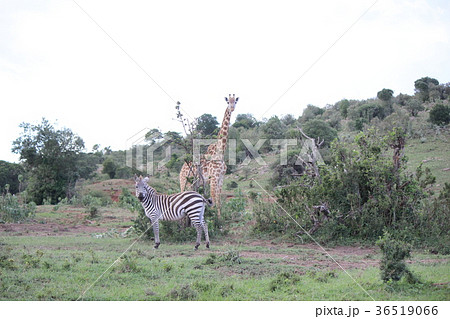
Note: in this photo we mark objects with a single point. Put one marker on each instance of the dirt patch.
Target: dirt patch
(48, 229)
(112, 187)
(309, 256)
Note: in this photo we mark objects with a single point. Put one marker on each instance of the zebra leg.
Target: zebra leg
(156, 233)
(205, 229)
(198, 227)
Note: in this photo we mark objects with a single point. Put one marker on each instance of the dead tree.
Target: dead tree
(195, 169)
(318, 215)
(313, 155)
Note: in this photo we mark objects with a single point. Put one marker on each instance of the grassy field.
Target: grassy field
(65, 255)
(434, 153)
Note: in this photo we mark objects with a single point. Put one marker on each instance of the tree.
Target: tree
(153, 136)
(343, 108)
(109, 167)
(207, 124)
(52, 158)
(414, 107)
(320, 129)
(9, 174)
(311, 112)
(385, 95)
(274, 128)
(246, 121)
(402, 99)
(440, 114)
(370, 110)
(423, 85)
(288, 120)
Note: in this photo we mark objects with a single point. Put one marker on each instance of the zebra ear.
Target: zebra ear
(146, 179)
(136, 178)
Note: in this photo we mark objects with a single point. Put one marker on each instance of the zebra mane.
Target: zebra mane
(150, 189)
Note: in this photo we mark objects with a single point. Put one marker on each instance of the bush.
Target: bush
(392, 265)
(365, 189)
(127, 199)
(231, 185)
(128, 264)
(440, 114)
(95, 198)
(11, 211)
(285, 174)
(270, 218)
(284, 280)
(6, 260)
(234, 207)
(320, 129)
(93, 211)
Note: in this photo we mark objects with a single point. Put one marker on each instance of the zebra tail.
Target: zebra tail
(208, 201)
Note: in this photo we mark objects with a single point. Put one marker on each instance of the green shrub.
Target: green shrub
(440, 114)
(392, 265)
(211, 259)
(32, 261)
(270, 218)
(93, 211)
(95, 198)
(6, 260)
(11, 211)
(365, 188)
(128, 200)
(231, 256)
(253, 195)
(283, 280)
(231, 185)
(320, 129)
(128, 263)
(234, 208)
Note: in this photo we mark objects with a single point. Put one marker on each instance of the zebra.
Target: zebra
(173, 207)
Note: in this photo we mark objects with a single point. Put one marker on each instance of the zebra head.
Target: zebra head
(231, 100)
(141, 189)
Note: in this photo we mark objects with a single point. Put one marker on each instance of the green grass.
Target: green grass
(433, 152)
(62, 268)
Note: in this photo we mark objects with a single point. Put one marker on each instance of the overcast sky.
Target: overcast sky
(109, 69)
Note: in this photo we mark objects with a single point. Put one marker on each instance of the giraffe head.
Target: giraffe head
(231, 100)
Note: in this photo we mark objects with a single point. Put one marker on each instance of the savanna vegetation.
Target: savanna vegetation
(367, 179)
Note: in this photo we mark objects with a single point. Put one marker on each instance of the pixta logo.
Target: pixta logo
(140, 150)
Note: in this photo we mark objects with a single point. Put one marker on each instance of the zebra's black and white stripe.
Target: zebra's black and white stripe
(172, 207)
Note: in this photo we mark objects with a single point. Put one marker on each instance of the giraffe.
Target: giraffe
(212, 162)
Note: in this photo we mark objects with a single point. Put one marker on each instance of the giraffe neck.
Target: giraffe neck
(217, 149)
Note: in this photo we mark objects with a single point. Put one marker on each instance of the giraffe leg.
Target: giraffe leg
(215, 196)
(218, 188)
(183, 175)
